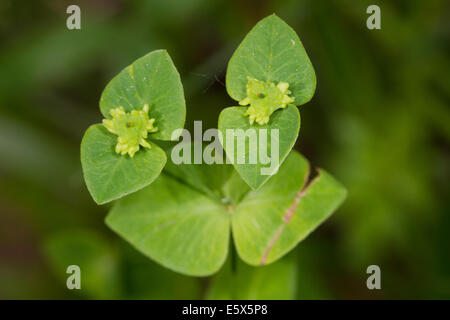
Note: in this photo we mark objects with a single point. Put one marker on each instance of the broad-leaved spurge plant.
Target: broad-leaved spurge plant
(183, 216)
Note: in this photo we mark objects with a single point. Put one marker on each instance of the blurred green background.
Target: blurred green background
(379, 122)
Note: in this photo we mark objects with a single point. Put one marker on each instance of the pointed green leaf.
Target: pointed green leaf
(271, 51)
(286, 121)
(271, 221)
(153, 80)
(175, 225)
(109, 175)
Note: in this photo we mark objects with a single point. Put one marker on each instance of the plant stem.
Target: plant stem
(233, 263)
(233, 259)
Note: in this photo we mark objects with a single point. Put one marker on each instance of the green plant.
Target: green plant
(147, 82)
(182, 217)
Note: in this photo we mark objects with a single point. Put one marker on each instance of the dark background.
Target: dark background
(379, 122)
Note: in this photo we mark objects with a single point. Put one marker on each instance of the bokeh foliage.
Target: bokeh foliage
(379, 121)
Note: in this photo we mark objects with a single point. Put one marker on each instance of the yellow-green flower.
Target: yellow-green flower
(132, 129)
(264, 97)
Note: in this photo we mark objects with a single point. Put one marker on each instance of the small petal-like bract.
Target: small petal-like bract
(131, 128)
(264, 97)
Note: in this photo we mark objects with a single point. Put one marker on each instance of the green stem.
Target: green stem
(233, 262)
(233, 259)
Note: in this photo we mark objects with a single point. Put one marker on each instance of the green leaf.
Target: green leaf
(153, 80)
(275, 282)
(206, 178)
(271, 51)
(97, 260)
(218, 181)
(175, 225)
(235, 188)
(109, 175)
(186, 228)
(286, 121)
(270, 222)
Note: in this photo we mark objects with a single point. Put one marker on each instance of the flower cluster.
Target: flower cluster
(264, 97)
(132, 129)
